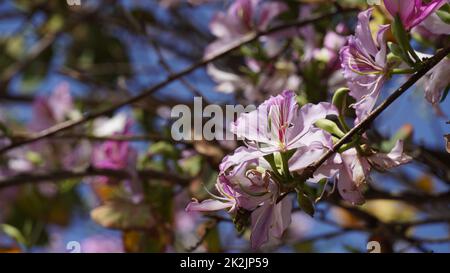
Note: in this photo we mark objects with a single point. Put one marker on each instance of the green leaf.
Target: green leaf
(164, 148)
(192, 165)
(305, 203)
(320, 191)
(397, 51)
(14, 233)
(4, 129)
(444, 15)
(123, 215)
(405, 132)
(402, 37)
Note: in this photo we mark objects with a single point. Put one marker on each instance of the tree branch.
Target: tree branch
(246, 39)
(58, 175)
(364, 124)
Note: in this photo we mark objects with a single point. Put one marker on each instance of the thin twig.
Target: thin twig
(118, 138)
(58, 175)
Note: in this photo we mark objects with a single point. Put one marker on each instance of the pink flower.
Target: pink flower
(270, 220)
(227, 199)
(354, 170)
(364, 65)
(278, 125)
(50, 111)
(434, 25)
(241, 186)
(278, 76)
(437, 81)
(242, 17)
(102, 244)
(47, 112)
(412, 12)
(118, 155)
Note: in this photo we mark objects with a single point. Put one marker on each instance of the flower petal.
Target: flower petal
(208, 205)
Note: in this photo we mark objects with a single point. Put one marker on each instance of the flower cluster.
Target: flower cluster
(283, 140)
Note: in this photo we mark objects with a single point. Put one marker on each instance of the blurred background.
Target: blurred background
(60, 60)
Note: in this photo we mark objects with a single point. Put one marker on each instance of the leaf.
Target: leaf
(210, 150)
(213, 240)
(444, 15)
(14, 233)
(305, 203)
(399, 52)
(320, 191)
(192, 165)
(404, 133)
(123, 215)
(4, 129)
(163, 148)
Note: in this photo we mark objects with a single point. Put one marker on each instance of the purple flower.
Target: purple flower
(332, 43)
(118, 155)
(234, 183)
(433, 25)
(55, 109)
(102, 244)
(227, 199)
(277, 76)
(47, 112)
(242, 17)
(270, 220)
(241, 186)
(354, 170)
(278, 125)
(364, 65)
(437, 81)
(412, 12)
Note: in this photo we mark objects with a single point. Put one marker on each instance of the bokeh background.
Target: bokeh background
(103, 52)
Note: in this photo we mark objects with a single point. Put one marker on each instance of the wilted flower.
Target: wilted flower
(412, 12)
